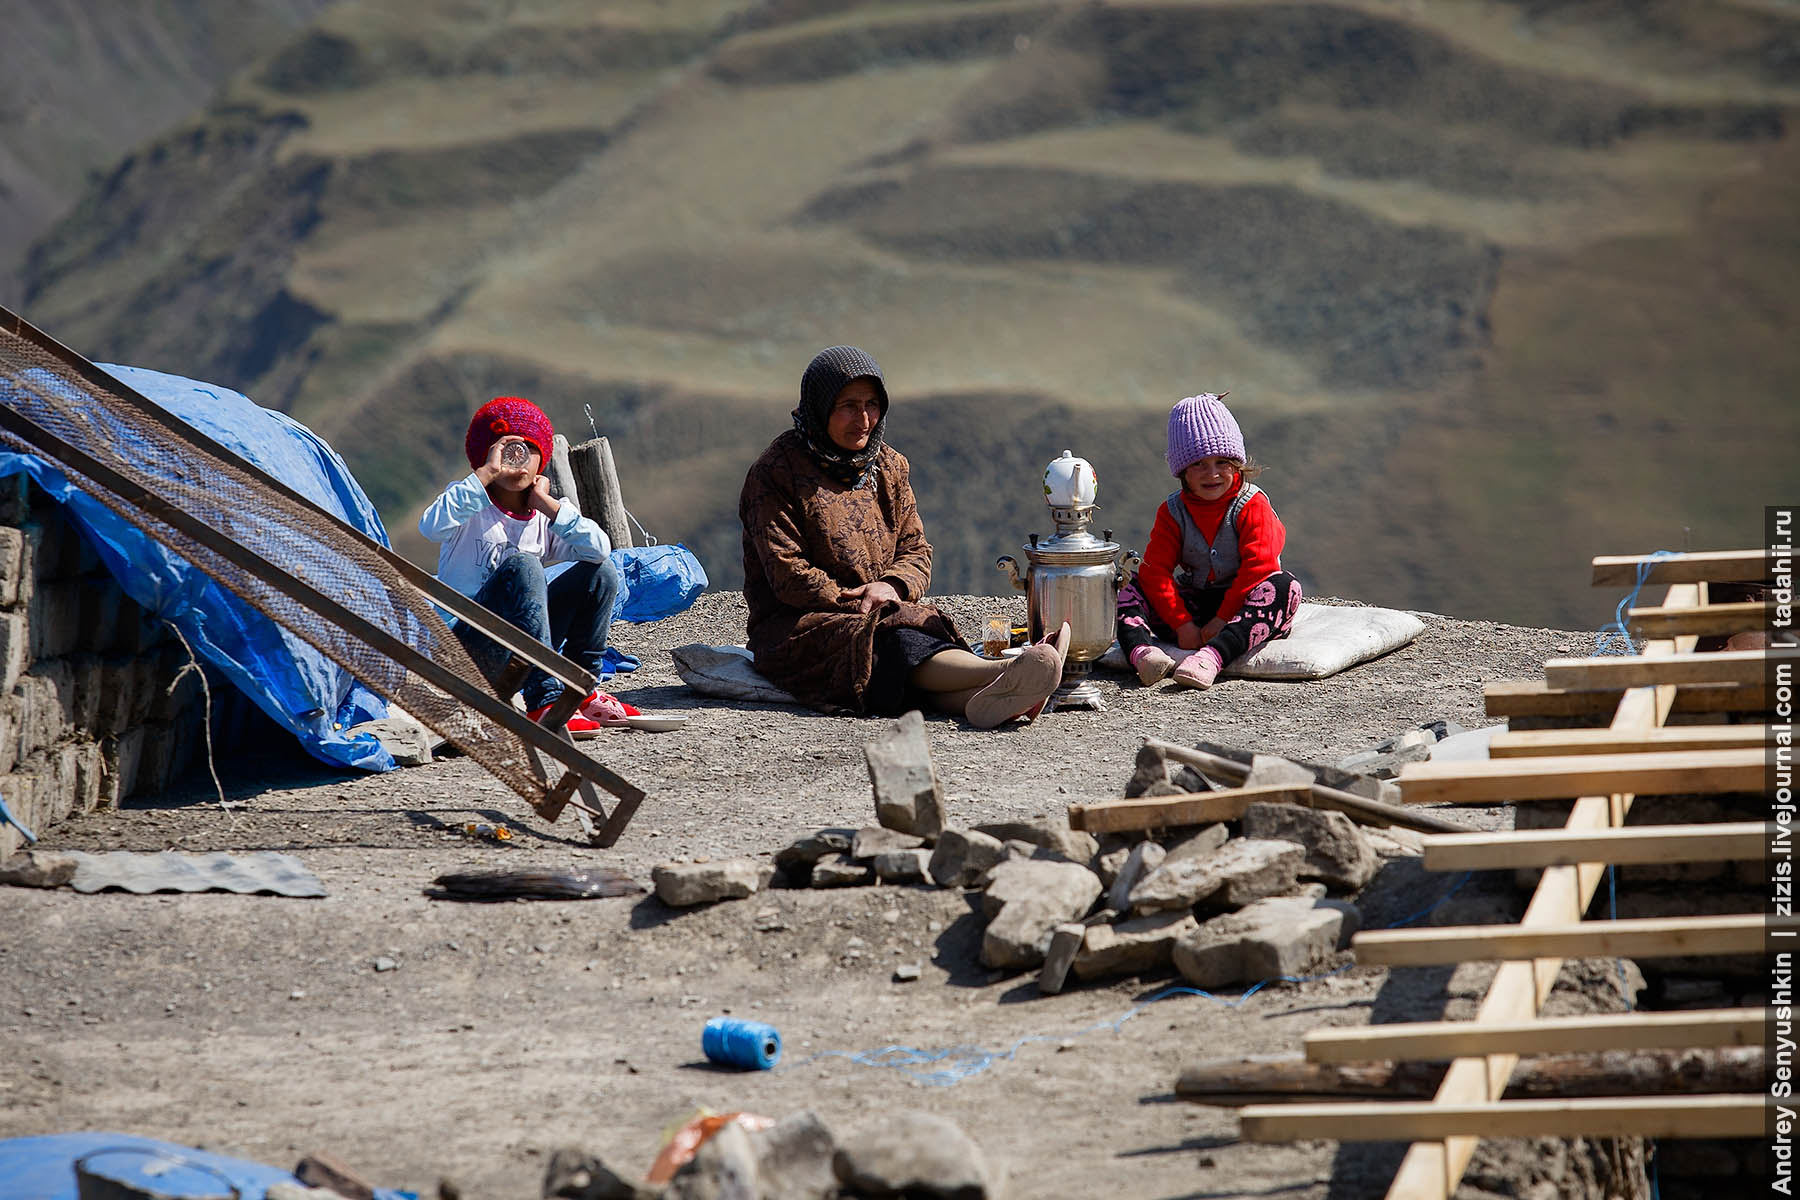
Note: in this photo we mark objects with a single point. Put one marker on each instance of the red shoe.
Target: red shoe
(578, 725)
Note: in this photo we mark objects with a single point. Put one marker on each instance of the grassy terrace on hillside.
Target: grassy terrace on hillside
(1494, 289)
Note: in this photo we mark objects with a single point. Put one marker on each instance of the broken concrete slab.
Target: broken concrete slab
(1281, 936)
(1143, 858)
(1136, 947)
(1026, 899)
(1337, 854)
(683, 885)
(902, 866)
(795, 861)
(840, 870)
(1051, 833)
(1250, 869)
(39, 869)
(916, 1155)
(1175, 886)
(908, 797)
(1065, 940)
(873, 839)
(962, 856)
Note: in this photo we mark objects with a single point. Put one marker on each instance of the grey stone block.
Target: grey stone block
(1139, 946)
(1250, 869)
(1202, 843)
(121, 757)
(1065, 940)
(1025, 901)
(793, 1159)
(840, 870)
(1337, 854)
(907, 795)
(683, 885)
(1144, 858)
(723, 1168)
(38, 869)
(913, 1154)
(903, 866)
(874, 840)
(1050, 833)
(56, 617)
(962, 856)
(15, 650)
(1266, 940)
(12, 547)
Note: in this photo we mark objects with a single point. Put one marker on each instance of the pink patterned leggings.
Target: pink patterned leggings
(1268, 613)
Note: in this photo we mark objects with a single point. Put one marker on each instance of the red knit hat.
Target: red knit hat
(505, 415)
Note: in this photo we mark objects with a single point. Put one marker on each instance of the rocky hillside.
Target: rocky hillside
(1495, 286)
(79, 86)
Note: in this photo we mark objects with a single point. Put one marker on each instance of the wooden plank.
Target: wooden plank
(1738, 841)
(1358, 808)
(1431, 1170)
(1526, 743)
(1709, 566)
(1661, 773)
(1546, 1035)
(1533, 698)
(1620, 1116)
(1743, 667)
(1189, 808)
(1718, 620)
(1656, 937)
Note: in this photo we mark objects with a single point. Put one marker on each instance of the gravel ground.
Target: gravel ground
(260, 1026)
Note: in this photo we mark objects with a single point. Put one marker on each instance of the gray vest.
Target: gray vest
(1220, 556)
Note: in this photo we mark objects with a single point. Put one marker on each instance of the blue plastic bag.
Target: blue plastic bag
(659, 581)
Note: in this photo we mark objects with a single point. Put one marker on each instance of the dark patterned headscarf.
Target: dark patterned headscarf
(825, 377)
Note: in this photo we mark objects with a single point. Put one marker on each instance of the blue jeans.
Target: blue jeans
(574, 611)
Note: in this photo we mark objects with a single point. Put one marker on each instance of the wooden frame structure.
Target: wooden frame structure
(1604, 770)
(143, 506)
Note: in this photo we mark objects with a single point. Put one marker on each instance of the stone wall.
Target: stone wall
(87, 714)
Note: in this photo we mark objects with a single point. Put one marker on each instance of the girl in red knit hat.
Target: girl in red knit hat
(1211, 581)
(498, 527)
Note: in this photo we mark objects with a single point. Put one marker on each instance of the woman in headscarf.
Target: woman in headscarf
(836, 561)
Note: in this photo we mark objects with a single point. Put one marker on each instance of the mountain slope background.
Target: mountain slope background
(1495, 285)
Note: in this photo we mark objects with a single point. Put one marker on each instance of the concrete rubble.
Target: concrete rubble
(1224, 903)
(902, 1153)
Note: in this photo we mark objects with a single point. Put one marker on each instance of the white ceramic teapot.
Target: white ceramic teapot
(1069, 482)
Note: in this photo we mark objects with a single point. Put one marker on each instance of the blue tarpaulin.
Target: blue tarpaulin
(297, 686)
(43, 1168)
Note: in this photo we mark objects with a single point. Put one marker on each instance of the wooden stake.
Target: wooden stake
(1637, 937)
(1546, 1035)
(1629, 1116)
(1662, 773)
(1741, 841)
(1742, 667)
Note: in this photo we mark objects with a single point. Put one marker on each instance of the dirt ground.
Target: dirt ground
(260, 1026)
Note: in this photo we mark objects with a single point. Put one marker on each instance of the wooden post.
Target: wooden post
(597, 489)
(562, 479)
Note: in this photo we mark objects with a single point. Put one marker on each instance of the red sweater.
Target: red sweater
(1260, 541)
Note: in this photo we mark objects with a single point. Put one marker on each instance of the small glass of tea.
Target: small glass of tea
(996, 635)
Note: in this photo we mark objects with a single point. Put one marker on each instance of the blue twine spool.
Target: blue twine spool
(748, 1044)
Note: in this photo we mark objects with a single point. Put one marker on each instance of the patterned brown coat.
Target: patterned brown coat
(806, 540)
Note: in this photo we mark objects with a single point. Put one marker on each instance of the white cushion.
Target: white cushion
(1325, 639)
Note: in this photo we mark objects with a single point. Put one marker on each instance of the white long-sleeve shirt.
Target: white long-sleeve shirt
(475, 535)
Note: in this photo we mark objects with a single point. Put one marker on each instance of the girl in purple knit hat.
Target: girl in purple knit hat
(1211, 581)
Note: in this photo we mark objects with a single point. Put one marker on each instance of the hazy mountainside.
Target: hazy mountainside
(1495, 285)
(80, 85)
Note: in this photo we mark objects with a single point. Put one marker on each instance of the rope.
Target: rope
(193, 664)
(1614, 632)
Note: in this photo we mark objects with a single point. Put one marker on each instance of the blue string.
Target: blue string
(963, 1061)
(7, 818)
(1614, 632)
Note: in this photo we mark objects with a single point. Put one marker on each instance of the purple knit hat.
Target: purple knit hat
(1202, 427)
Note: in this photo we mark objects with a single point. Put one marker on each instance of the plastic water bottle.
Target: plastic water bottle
(734, 1043)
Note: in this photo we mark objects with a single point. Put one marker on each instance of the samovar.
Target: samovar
(1073, 576)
